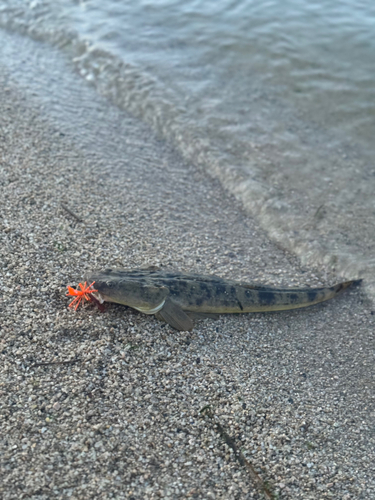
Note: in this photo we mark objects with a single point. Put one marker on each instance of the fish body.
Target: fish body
(178, 297)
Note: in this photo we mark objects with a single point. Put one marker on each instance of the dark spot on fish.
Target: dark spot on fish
(293, 298)
(311, 295)
(199, 301)
(267, 298)
(204, 288)
(220, 290)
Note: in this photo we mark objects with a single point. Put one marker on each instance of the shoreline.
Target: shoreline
(112, 404)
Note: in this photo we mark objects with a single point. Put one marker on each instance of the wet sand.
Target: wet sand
(119, 405)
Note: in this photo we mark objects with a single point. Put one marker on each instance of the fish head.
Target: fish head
(125, 288)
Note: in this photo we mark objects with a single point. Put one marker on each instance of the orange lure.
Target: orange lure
(81, 295)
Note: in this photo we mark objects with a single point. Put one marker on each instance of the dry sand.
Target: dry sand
(119, 405)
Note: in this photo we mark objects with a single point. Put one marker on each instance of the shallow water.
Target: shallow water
(276, 99)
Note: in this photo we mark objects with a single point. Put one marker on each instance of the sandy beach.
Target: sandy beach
(118, 404)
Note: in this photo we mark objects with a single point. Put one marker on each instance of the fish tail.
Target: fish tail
(272, 299)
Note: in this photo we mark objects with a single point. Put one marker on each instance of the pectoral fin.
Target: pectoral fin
(172, 314)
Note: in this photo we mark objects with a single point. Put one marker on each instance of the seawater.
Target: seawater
(275, 99)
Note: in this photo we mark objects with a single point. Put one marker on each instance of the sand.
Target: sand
(118, 404)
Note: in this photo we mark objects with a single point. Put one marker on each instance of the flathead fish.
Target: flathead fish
(179, 298)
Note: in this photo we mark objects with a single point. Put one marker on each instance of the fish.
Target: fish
(180, 298)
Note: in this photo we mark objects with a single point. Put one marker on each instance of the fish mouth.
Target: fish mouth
(98, 297)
